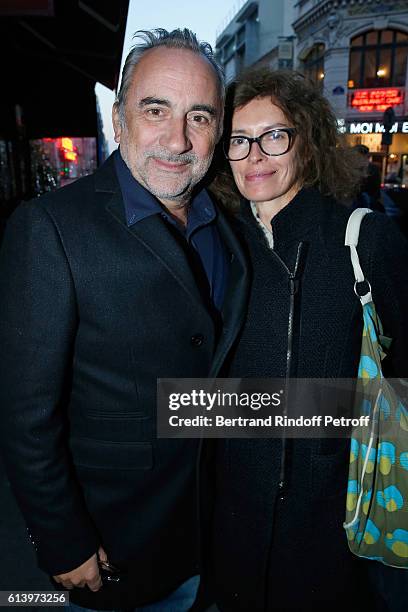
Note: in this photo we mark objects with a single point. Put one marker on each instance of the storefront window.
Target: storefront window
(370, 77)
(387, 36)
(355, 67)
(384, 66)
(400, 66)
(357, 41)
(313, 65)
(378, 59)
(56, 162)
(372, 38)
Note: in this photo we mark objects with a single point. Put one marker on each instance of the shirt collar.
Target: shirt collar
(268, 234)
(140, 203)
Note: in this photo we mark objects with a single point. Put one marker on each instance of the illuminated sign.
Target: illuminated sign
(368, 100)
(70, 155)
(67, 144)
(68, 149)
(374, 127)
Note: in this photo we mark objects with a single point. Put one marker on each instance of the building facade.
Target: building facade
(259, 33)
(356, 49)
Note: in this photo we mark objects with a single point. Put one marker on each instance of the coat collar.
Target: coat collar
(140, 203)
(151, 233)
(292, 224)
(236, 295)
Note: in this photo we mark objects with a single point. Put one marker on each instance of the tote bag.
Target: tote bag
(376, 520)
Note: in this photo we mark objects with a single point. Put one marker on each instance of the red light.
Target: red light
(366, 100)
(70, 155)
(67, 144)
(68, 150)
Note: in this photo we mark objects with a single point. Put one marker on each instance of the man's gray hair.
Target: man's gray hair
(177, 39)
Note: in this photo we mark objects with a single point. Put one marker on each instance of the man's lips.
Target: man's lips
(254, 177)
(170, 166)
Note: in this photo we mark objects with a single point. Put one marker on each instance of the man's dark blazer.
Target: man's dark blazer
(92, 312)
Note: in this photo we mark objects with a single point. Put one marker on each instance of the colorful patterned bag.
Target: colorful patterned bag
(377, 496)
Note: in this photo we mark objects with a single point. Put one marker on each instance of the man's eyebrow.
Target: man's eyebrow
(205, 108)
(153, 100)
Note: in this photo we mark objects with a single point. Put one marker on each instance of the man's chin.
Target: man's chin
(178, 192)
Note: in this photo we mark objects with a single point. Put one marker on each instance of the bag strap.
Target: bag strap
(351, 240)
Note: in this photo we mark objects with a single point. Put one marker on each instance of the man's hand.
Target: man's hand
(86, 574)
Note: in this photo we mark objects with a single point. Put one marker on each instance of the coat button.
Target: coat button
(197, 339)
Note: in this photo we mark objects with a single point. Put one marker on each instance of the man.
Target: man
(369, 195)
(106, 285)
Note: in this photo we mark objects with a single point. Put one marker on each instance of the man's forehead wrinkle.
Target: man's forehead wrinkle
(180, 80)
(176, 79)
(150, 100)
(172, 92)
(174, 65)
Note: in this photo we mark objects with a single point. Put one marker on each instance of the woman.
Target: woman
(277, 540)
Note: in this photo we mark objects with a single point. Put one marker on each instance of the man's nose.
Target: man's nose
(175, 138)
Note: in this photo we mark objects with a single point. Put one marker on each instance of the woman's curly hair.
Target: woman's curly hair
(323, 159)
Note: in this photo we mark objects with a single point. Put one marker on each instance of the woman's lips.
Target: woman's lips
(254, 177)
(170, 166)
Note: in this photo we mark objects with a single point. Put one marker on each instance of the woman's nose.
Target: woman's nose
(256, 152)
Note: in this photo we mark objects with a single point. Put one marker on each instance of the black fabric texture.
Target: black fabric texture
(289, 552)
(92, 313)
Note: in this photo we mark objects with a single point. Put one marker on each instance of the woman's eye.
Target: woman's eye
(237, 142)
(275, 135)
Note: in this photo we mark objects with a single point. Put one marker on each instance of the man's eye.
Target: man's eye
(155, 112)
(200, 119)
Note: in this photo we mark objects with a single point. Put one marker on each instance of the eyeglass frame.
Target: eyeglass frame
(291, 132)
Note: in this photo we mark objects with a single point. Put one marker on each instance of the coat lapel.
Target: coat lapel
(155, 237)
(151, 232)
(236, 294)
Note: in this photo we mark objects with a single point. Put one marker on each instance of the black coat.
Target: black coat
(273, 549)
(92, 312)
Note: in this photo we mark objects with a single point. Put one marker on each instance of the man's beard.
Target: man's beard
(185, 185)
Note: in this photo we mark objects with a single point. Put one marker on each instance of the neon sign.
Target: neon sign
(375, 128)
(68, 149)
(368, 100)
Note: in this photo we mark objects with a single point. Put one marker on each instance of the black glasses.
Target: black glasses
(274, 142)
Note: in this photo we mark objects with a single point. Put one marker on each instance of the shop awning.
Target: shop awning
(52, 54)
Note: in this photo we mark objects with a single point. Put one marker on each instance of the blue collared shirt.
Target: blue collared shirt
(201, 231)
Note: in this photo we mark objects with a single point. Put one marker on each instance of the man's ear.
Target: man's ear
(117, 124)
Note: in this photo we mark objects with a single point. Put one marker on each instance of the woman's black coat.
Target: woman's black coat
(273, 549)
